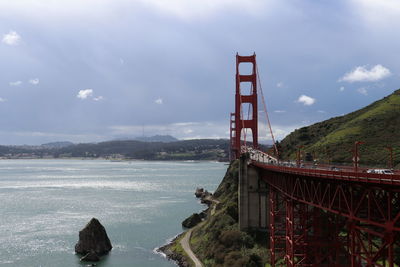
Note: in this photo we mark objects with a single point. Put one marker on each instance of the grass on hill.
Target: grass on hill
(378, 125)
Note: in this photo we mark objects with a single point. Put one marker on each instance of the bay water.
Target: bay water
(44, 204)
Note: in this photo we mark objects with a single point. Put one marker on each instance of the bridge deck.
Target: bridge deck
(346, 175)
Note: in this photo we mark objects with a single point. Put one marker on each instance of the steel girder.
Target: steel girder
(363, 221)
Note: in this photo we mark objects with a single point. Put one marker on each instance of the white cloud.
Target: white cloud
(11, 38)
(280, 85)
(99, 98)
(362, 91)
(279, 111)
(378, 13)
(279, 131)
(51, 136)
(83, 94)
(189, 9)
(2, 99)
(185, 123)
(34, 81)
(362, 74)
(158, 101)
(16, 83)
(306, 100)
(341, 89)
(187, 131)
(321, 111)
(180, 130)
(183, 9)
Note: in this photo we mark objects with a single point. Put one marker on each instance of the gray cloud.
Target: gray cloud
(188, 58)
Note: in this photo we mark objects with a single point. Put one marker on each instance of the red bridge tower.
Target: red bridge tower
(239, 123)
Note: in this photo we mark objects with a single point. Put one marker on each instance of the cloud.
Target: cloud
(279, 131)
(341, 89)
(99, 98)
(362, 91)
(188, 131)
(362, 74)
(306, 100)
(321, 111)
(83, 94)
(16, 83)
(34, 81)
(279, 111)
(11, 38)
(191, 9)
(180, 130)
(378, 13)
(158, 101)
(2, 99)
(279, 84)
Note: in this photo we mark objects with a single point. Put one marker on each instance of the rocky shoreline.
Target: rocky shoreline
(167, 250)
(178, 258)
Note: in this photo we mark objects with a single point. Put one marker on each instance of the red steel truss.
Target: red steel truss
(329, 222)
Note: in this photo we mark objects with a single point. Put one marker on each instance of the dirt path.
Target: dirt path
(185, 242)
(186, 247)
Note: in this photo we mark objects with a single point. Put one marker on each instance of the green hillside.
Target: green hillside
(378, 125)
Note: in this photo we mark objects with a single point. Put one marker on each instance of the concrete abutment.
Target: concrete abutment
(253, 197)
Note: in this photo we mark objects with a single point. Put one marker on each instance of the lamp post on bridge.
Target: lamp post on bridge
(391, 156)
(356, 158)
(298, 155)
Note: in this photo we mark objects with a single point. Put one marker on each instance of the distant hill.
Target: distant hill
(157, 138)
(378, 125)
(57, 144)
(198, 149)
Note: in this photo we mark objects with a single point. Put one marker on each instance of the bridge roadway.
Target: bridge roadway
(346, 173)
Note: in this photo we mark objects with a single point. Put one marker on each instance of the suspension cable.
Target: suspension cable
(266, 113)
(241, 116)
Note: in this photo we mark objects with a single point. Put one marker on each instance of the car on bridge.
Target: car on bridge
(380, 171)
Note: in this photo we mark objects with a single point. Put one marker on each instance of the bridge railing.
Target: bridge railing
(326, 172)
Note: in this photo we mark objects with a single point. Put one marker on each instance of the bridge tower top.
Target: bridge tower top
(238, 121)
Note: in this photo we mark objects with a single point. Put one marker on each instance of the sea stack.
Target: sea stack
(93, 241)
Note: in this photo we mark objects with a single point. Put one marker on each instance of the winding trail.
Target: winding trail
(186, 247)
(185, 241)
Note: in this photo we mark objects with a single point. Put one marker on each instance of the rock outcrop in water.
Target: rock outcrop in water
(93, 241)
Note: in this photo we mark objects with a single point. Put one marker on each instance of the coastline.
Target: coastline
(167, 251)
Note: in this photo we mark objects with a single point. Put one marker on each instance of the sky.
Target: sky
(96, 70)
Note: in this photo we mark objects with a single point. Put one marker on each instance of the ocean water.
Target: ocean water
(44, 204)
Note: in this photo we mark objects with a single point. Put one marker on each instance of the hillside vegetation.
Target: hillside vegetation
(378, 125)
(219, 242)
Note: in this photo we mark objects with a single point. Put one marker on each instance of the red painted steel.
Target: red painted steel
(363, 217)
(241, 122)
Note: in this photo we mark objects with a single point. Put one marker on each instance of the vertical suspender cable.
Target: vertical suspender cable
(266, 113)
(241, 114)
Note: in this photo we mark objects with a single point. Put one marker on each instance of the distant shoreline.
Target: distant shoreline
(113, 160)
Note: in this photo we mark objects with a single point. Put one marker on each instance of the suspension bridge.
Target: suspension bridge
(314, 216)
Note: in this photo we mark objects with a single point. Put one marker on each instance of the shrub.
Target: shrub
(235, 258)
(232, 210)
(231, 238)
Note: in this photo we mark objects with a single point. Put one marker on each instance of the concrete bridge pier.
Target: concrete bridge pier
(253, 199)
